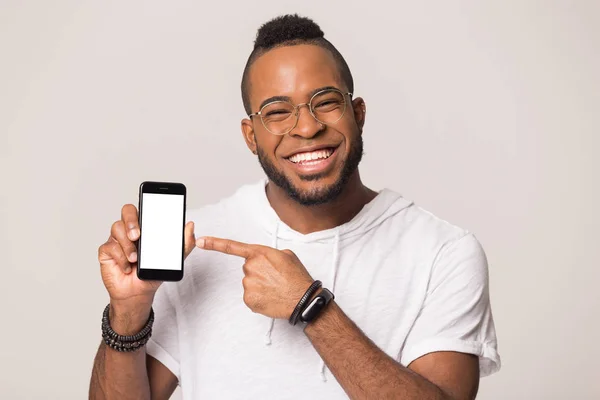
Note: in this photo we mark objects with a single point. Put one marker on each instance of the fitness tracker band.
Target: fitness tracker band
(316, 306)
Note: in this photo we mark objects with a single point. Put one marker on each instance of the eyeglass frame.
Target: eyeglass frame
(297, 110)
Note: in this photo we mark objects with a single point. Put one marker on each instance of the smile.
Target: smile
(312, 157)
(318, 161)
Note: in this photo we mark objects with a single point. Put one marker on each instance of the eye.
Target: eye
(276, 112)
(326, 102)
(327, 105)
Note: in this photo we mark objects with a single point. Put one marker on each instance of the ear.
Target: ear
(248, 133)
(360, 112)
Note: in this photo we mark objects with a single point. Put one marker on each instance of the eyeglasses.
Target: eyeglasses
(280, 117)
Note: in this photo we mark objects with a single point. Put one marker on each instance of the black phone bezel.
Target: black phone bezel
(167, 188)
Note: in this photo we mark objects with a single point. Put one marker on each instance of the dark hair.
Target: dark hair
(290, 30)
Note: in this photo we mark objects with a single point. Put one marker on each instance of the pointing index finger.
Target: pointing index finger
(227, 246)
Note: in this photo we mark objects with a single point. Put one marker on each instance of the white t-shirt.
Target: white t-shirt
(413, 283)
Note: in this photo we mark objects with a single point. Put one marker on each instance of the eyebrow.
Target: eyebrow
(289, 99)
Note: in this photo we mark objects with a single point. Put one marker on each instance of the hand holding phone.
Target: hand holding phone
(119, 256)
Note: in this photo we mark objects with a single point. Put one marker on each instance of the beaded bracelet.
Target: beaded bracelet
(125, 343)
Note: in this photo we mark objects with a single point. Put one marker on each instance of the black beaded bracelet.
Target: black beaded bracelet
(125, 343)
(125, 346)
(316, 285)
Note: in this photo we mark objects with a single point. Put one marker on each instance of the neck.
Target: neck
(308, 219)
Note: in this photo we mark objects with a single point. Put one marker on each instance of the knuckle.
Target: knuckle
(116, 228)
(101, 250)
(247, 299)
(115, 251)
(228, 247)
(251, 301)
(290, 253)
(109, 249)
(257, 306)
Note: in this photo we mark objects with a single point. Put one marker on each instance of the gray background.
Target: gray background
(485, 113)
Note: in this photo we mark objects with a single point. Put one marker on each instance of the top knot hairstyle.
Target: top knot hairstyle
(290, 30)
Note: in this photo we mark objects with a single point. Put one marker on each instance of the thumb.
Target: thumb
(190, 238)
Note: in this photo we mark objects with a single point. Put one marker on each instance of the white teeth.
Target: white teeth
(315, 155)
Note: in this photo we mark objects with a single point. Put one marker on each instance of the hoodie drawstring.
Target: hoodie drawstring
(334, 270)
(272, 321)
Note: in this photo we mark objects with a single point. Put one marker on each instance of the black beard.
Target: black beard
(314, 197)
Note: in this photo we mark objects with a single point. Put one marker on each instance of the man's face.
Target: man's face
(297, 72)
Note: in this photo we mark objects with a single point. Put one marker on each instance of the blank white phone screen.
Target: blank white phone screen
(162, 231)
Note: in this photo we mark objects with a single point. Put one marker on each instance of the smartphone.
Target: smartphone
(161, 244)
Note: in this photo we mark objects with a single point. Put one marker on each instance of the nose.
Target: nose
(306, 125)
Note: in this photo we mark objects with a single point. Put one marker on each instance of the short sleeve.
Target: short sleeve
(456, 314)
(164, 343)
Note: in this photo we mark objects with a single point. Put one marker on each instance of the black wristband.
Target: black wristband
(316, 306)
(316, 285)
(125, 343)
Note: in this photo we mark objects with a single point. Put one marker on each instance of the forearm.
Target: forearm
(361, 368)
(121, 375)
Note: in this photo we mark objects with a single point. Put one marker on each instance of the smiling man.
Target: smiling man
(307, 283)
